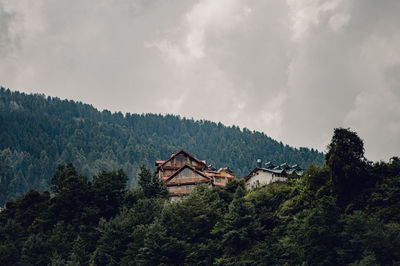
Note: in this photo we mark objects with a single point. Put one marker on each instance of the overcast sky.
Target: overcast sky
(292, 69)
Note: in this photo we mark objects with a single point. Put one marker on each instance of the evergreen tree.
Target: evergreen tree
(346, 161)
(151, 185)
(110, 247)
(159, 249)
(12, 236)
(35, 251)
(6, 175)
(39, 133)
(108, 190)
(294, 222)
(56, 260)
(240, 226)
(79, 254)
(314, 234)
(72, 195)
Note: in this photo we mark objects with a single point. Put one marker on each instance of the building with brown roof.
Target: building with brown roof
(182, 172)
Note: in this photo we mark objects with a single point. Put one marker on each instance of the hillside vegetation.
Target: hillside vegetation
(38, 133)
(343, 213)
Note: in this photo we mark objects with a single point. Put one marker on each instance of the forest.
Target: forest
(344, 212)
(38, 133)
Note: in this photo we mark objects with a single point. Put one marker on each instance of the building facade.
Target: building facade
(182, 172)
(270, 173)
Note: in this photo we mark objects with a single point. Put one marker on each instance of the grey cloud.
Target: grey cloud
(244, 70)
(5, 38)
(337, 79)
(92, 51)
(257, 64)
(392, 77)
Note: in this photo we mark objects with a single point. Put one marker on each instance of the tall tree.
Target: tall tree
(240, 226)
(151, 185)
(72, 195)
(347, 164)
(6, 174)
(109, 188)
(159, 248)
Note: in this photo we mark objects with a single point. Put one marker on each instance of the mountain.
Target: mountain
(37, 133)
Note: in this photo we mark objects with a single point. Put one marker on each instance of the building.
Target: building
(221, 177)
(270, 173)
(182, 172)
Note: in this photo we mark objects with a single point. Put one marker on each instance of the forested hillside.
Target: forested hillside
(343, 213)
(37, 133)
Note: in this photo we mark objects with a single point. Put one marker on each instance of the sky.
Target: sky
(292, 69)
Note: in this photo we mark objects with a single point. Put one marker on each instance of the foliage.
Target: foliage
(151, 185)
(109, 189)
(310, 220)
(38, 133)
(239, 228)
(294, 222)
(348, 166)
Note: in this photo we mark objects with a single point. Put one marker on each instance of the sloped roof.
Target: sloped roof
(227, 169)
(191, 168)
(288, 168)
(273, 171)
(277, 171)
(159, 162)
(269, 165)
(182, 152)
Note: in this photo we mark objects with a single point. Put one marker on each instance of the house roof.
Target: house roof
(298, 172)
(274, 171)
(280, 169)
(159, 162)
(288, 168)
(269, 165)
(181, 152)
(227, 169)
(191, 168)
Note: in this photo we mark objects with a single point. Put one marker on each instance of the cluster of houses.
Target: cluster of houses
(181, 172)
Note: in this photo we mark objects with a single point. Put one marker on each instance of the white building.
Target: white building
(262, 176)
(271, 173)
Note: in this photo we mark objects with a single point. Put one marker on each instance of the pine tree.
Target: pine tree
(35, 251)
(79, 255)
(159, 249)
(108, 190)
(240, 225)
(347, 163)
(151, 185)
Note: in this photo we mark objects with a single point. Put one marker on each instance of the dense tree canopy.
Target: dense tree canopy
(38, 133)
(344, 212)
(300, 221)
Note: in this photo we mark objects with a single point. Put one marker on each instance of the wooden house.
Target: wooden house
(182, 172)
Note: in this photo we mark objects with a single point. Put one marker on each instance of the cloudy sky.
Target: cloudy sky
(292, 69)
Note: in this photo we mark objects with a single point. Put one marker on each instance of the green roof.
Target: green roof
(289, 169)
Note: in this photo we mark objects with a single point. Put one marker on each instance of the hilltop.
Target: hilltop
(38, 132)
